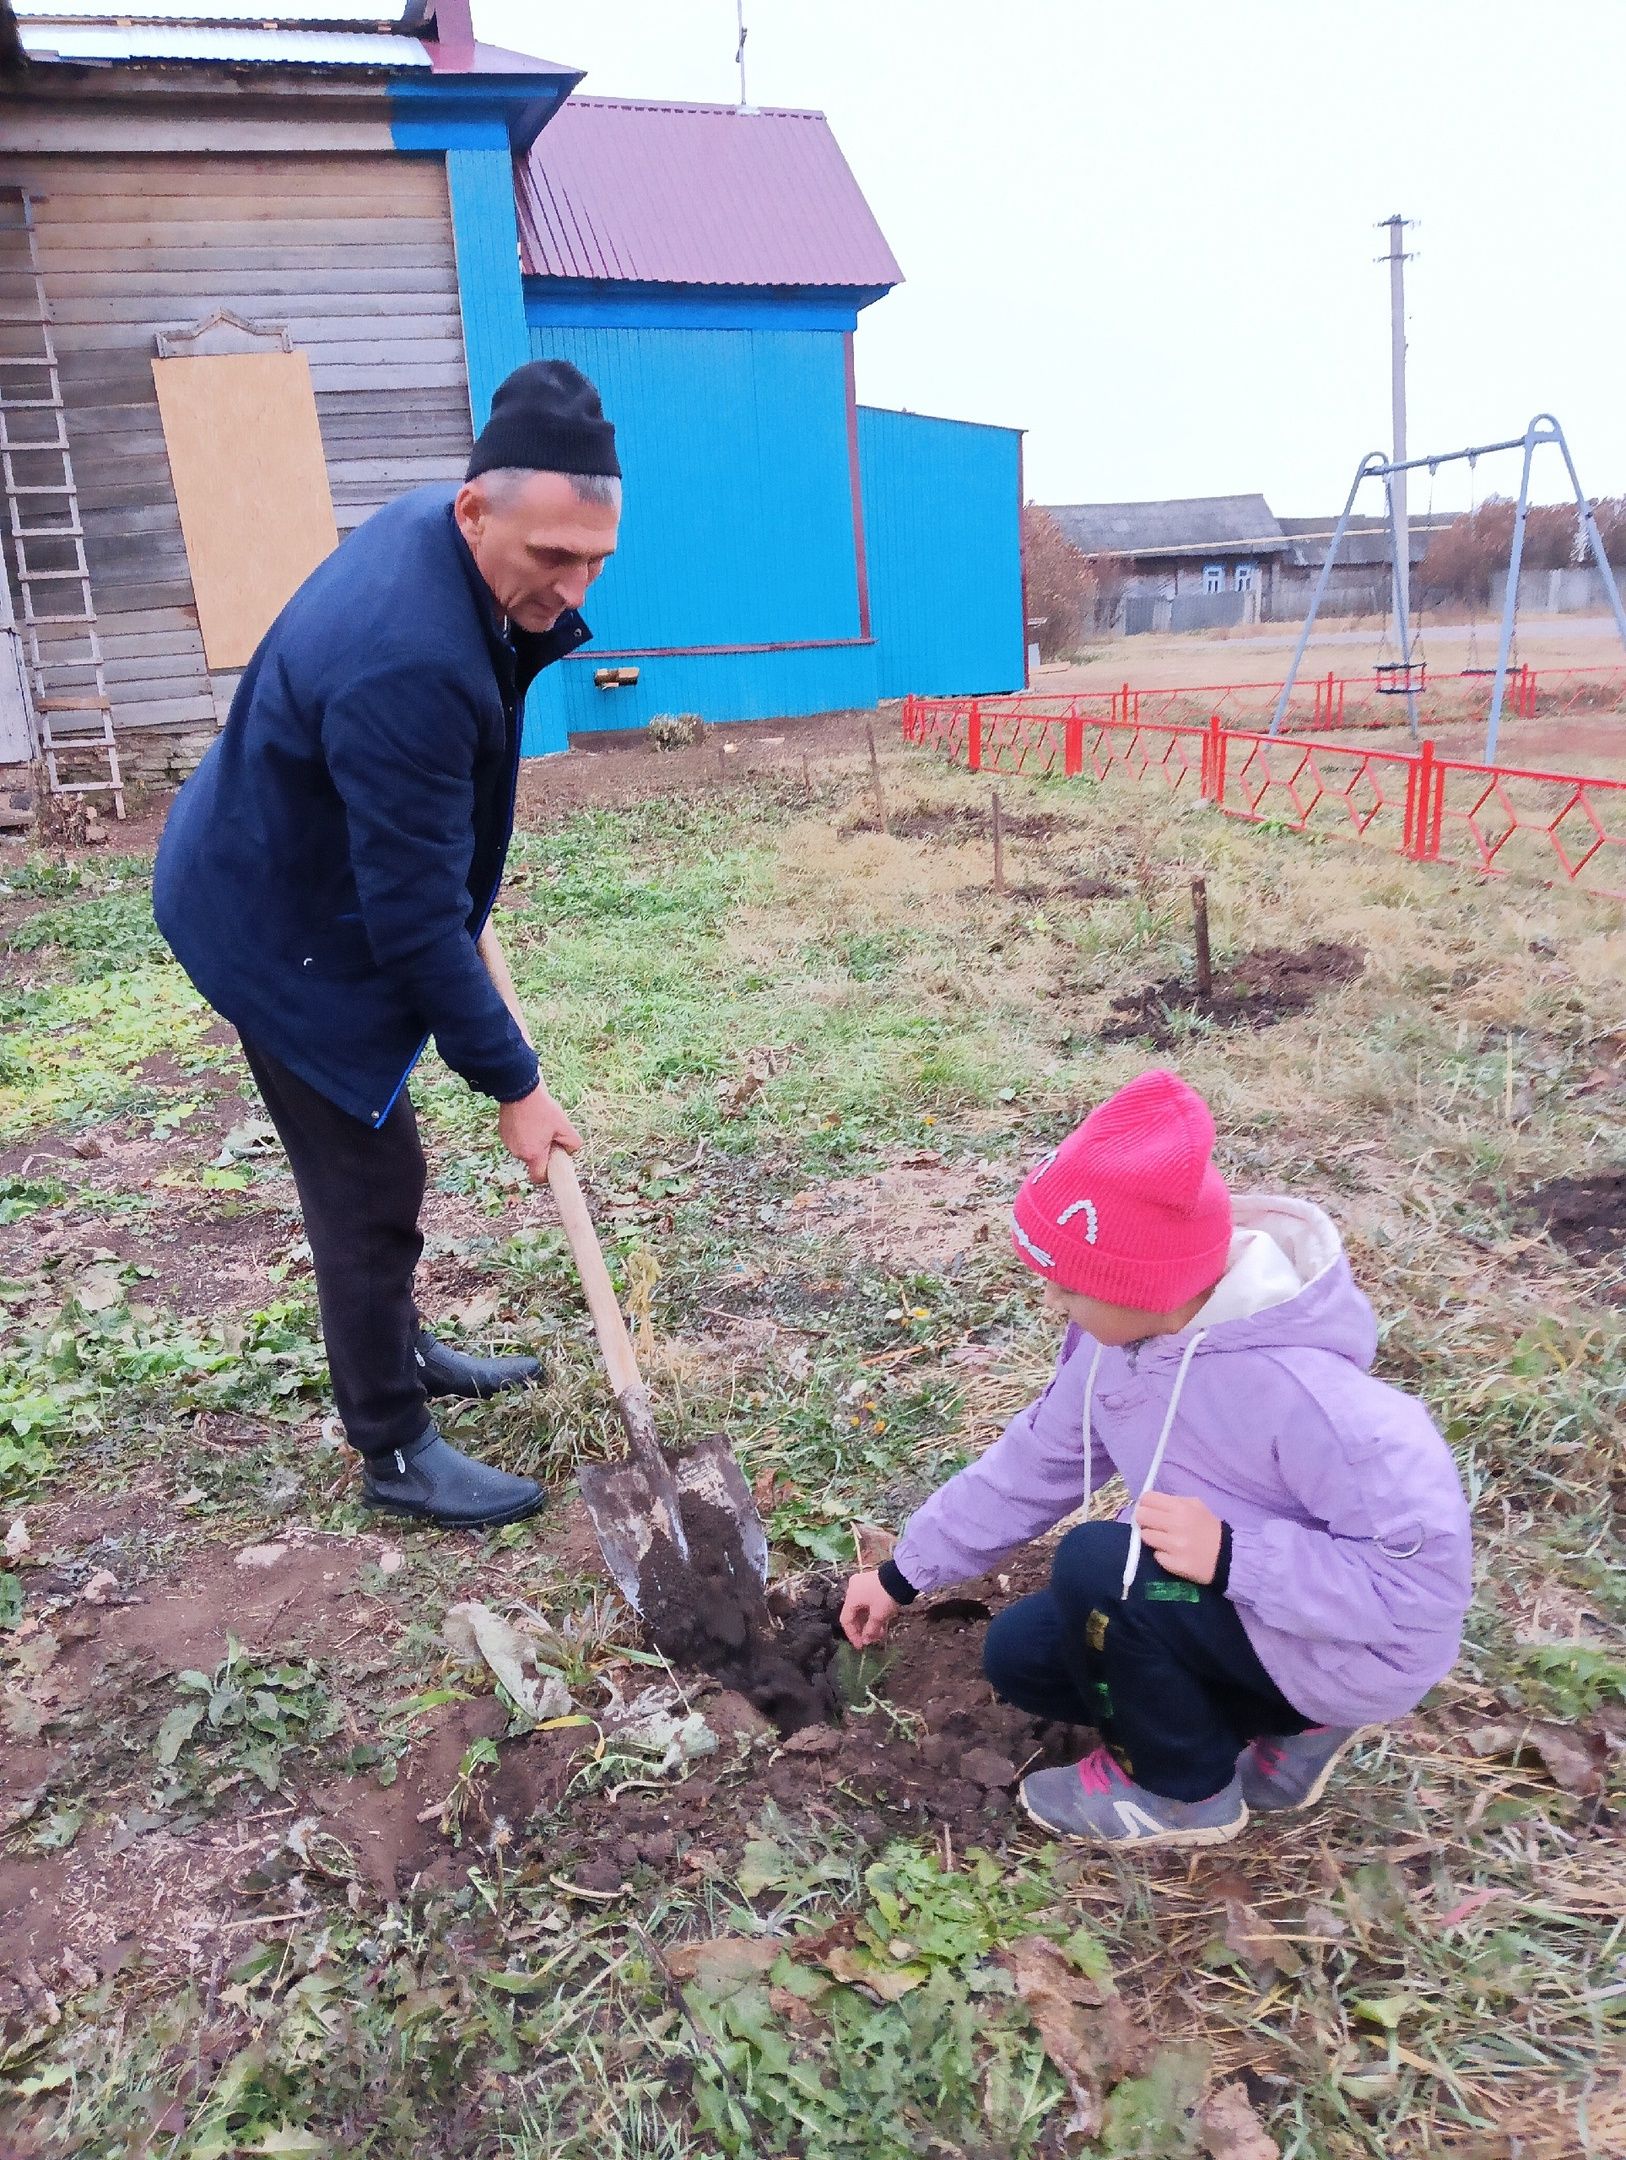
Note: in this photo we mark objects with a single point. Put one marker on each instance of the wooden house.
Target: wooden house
(262, 271)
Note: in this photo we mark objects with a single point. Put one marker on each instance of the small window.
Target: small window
(1213, 577)
(1245, 572)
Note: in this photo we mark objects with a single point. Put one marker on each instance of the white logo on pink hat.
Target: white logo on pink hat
(1085, 1208)
(1045, 1260)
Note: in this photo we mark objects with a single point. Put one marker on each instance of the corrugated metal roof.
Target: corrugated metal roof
(1186, 525)
(221, 42)
(277, 14)
(696, 195)
(1366, 539)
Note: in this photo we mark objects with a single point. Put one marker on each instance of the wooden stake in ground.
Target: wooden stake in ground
(807, 777)
(1205, 964)
(875, 777)
(999, 845)
(722, 761)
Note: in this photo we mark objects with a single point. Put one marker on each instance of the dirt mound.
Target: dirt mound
(962, 822)
(1262, 988)
(1586, 1215)
(919, 1729)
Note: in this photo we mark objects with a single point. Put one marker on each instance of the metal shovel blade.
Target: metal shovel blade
(628, 1515)
(709, 1473)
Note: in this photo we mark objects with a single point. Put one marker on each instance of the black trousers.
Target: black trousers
(360, 1189)
(1167, 1676)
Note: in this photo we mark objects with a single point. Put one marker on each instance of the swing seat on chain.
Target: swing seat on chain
(1395, 678)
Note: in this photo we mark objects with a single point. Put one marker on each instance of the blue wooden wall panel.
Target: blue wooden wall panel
(942, 525)
(738, 519)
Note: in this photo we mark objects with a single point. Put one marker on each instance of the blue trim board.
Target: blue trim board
(496, 340)
(447, 110)
(631, 304)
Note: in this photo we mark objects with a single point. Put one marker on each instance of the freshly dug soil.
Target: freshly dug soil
(1586, 1215)
(930, 1746)
(948, 1750)
(1265, 986)
(961, 822)
(713, 1616)
(1079, 888)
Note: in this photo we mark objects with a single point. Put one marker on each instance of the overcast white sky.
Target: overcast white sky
(1144, 231)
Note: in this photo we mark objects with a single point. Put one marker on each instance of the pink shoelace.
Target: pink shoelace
(1268, 1755)
(1098, 1773)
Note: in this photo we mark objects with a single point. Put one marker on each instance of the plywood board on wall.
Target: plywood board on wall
(245, 453)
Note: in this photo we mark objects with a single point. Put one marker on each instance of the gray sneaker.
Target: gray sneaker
(1290, 1770)
(1094, 1799)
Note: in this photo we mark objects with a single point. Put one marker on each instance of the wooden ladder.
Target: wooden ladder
(73, 713)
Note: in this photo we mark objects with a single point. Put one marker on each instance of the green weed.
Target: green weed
(243, 1719)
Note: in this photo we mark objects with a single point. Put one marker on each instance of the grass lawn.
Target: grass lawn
(291, 1862)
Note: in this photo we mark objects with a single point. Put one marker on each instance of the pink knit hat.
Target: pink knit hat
(1129, 1209)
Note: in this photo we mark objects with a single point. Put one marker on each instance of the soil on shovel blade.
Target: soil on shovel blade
(1586, 1215)
(713, 1616)
(1263, 987)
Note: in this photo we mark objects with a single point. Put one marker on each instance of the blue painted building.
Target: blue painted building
(420, 213)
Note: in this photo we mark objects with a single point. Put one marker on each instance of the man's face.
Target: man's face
(536, 543)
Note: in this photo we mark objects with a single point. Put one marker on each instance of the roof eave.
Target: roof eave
(1184, 548)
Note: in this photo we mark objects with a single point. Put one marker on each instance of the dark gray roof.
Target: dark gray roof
(1190, 525)
(1366, 539)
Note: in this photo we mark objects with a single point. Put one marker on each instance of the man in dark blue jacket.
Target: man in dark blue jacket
(326, 872)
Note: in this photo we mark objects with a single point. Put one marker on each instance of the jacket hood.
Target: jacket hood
(1325, 1311)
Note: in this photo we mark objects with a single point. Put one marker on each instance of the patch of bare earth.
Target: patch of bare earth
(918, 1215)
(1586, 1215)
(611, 770)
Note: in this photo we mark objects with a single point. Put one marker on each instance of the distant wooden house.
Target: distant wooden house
(1204, 562)
(1197, 562)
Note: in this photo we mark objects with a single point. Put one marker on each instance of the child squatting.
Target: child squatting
(1296, 1561)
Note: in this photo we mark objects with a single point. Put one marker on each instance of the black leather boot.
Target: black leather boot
(449, 1372)
(438, 1483)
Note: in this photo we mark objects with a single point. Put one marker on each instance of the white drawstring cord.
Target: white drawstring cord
(1133, 1561)
(1089, 1436)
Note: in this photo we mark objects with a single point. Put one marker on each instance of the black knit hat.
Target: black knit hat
(546, 417)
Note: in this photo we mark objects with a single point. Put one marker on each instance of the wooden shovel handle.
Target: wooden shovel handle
(502, 981)
(613, 1340)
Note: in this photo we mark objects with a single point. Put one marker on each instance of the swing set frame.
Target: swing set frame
(1375, 465)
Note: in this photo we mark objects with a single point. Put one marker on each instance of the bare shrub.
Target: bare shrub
(1059, 588)
(1467, 560)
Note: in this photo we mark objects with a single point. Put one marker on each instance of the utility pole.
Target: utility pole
(1397, 481)
(739, 51)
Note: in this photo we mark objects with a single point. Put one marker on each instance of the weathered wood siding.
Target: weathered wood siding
(353, 253)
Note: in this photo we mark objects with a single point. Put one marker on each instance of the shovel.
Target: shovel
(636, 1503)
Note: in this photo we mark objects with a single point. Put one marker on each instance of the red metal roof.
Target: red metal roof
(696, 195)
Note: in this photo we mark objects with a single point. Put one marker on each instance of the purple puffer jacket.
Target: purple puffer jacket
(1351, 1562)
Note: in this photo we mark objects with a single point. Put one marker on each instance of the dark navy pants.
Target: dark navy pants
(360, 1190)
(1167, 1676)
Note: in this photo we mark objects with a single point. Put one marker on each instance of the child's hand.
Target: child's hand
(1183, 1534)
(866, 1611)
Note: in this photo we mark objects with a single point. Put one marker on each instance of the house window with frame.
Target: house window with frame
(1213, 577)
(1246, 576)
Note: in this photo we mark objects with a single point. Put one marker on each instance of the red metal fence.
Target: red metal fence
(1496, 819)
(1321, 703)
